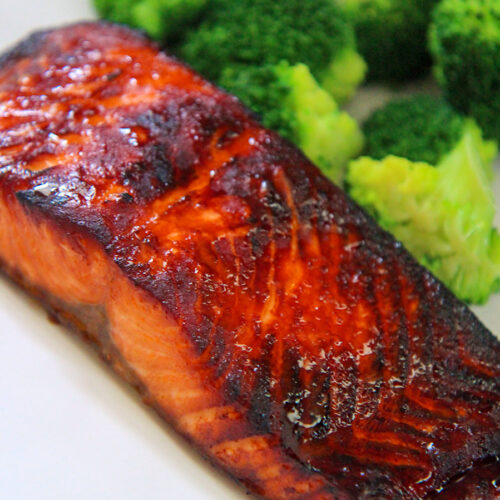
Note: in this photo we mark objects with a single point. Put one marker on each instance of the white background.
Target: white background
(69, 429)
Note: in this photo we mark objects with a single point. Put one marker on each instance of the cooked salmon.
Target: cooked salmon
(263, 314)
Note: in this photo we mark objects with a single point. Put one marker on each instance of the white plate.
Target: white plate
(68, 428)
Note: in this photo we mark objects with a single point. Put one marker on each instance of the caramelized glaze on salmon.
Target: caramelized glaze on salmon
(259, 310)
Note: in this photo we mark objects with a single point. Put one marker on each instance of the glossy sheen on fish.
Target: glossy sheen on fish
(259, 310)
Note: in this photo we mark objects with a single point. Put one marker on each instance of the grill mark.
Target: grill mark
(378, 354)
(396, 381)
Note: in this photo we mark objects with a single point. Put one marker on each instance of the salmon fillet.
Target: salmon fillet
(264, 315)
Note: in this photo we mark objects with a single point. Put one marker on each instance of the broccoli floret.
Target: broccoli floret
(290, 101)
(262, 32)
(419, 128)
(161, 19)
(392, 36)
(465, 44)
(442, 212)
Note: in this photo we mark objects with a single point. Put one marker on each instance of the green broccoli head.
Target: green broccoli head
(161, 19)
(419, 128)
(443, 214)
(465, 44)
(266, 90)
(391, 35)
(260, 32)
(290, 101)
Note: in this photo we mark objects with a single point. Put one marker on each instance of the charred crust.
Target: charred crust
(67, 217)
(24, 49)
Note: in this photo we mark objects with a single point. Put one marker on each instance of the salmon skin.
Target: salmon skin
(262, 313)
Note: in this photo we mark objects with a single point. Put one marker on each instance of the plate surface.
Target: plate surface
(68, 427)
